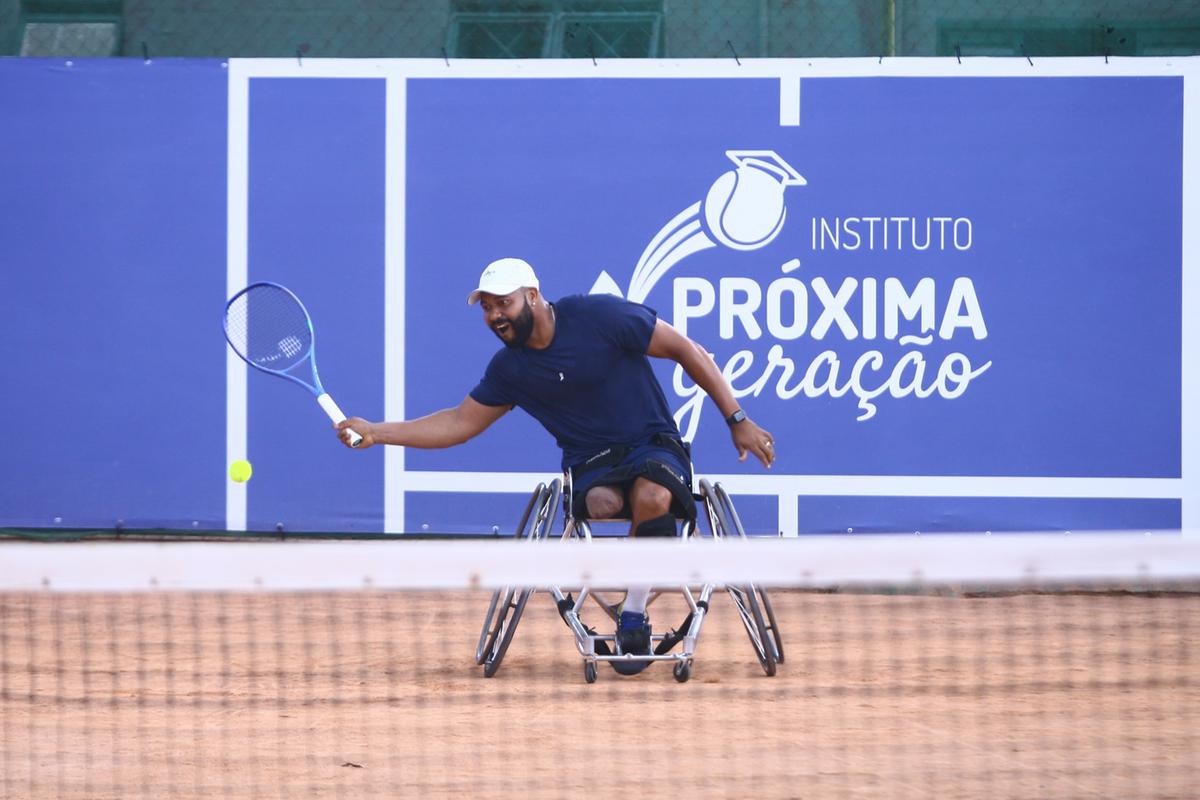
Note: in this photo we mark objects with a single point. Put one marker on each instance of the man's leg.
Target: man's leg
(648, 501)
(604, 502)
(650, 504)
(633, 631)
(650, 508)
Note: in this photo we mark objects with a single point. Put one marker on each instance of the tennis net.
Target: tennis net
(957, 666)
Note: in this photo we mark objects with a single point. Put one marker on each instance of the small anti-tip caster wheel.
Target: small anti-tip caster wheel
(589, 671)
(683, 671)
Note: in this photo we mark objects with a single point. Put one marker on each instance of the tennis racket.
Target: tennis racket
(269, 328)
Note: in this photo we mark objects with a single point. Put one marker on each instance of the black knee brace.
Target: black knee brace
(659, 526)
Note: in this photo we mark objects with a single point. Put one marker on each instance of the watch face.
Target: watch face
(736, 417)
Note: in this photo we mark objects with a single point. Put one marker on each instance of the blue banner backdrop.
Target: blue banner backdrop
(112, 242)
(958, 280)
(957, 288)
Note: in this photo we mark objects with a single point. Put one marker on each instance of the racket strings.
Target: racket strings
(268, 327)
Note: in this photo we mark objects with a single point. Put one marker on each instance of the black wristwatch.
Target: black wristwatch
(735, 418)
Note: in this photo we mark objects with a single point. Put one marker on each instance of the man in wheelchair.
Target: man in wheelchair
(580, 367)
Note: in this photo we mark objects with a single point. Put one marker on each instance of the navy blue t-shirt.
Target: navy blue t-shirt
(592, 386)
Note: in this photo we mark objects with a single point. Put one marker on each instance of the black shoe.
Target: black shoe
(633, 637)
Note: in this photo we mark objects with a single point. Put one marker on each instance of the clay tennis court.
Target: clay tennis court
(376, 694)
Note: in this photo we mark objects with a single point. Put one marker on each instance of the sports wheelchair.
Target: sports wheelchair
(507, 604)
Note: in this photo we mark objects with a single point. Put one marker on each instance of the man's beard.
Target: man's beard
(522, 327)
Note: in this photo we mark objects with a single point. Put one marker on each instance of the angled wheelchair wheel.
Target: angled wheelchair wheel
(487, 636)
(506, 625)
(493, 620)
(508, 604)
(772, 626)
(755, 624)
(764, 602)
(722, 522)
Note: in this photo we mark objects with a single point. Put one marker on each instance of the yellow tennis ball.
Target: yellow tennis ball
(240, 471)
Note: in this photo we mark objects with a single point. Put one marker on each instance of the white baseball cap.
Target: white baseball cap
(504, 276)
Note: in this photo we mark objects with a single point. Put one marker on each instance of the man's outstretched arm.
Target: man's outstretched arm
(444, 428)
(666, 342)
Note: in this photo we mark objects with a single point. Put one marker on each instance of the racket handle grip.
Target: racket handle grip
(335, 414)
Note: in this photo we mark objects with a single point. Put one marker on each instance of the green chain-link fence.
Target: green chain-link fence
(597, 28)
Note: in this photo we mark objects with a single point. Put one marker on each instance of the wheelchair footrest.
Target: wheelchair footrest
(602, 650)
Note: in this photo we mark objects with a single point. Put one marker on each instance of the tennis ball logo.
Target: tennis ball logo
(744, 208)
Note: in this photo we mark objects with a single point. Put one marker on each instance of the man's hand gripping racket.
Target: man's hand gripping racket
(269, 328)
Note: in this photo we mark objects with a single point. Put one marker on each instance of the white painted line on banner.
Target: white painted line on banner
(1190, 301)
(789, 100)
(752, 68)
(838, 485)
(236, 276)
(394, 285)
(790, 489)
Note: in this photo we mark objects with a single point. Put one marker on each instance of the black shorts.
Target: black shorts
(661, 460)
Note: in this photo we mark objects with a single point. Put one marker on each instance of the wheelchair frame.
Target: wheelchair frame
(508, 604)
